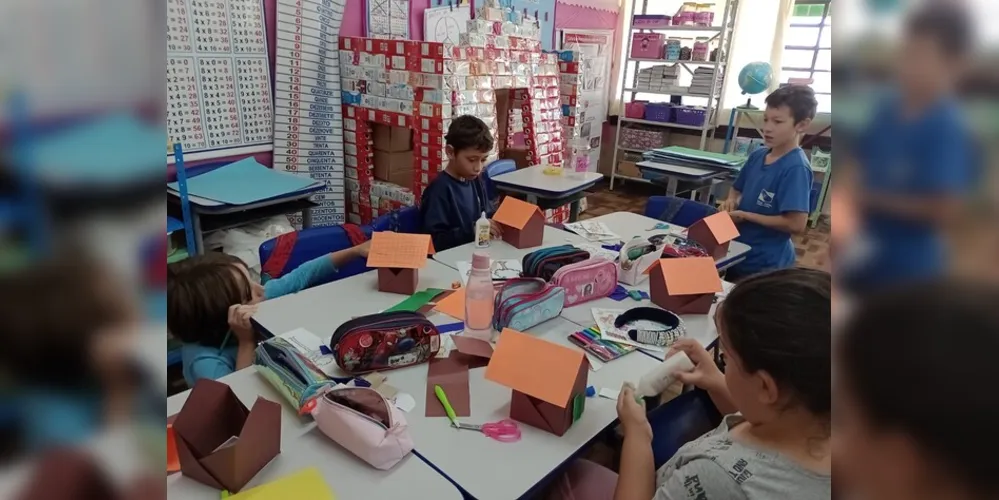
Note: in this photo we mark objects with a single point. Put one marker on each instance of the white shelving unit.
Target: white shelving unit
(722, 33)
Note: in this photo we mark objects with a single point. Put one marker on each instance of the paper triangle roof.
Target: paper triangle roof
(721, 226)
(515, 213)
(535, 367)
(688, 275)
(399, 250)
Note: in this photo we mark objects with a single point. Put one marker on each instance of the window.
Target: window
(808, 49)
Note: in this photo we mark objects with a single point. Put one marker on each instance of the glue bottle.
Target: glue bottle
(479, 299)
(482, 233)
(656, 381)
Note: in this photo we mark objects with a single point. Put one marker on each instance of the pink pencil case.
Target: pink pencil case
(365, 423)
(587, 280)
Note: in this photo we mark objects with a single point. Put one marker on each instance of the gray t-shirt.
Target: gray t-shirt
(716, 467)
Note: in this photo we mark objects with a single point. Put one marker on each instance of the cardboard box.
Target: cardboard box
(523, 223)
(392, 139)
(684, 286)
(628, 168)
(210, 417)
(396, 168)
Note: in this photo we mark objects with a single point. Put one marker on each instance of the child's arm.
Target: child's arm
(637, 474)
(437, 225)
(313, 271)
(788, 222)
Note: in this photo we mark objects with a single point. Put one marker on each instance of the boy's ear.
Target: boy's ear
(803, 125)
(450, 151)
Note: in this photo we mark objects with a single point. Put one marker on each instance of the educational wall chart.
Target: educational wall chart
(218, 78)
(546, 17)
(445, 24)
(388, 19)
(596, 47)
(308, 123)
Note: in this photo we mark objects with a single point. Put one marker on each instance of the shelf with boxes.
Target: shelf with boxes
(664, 52)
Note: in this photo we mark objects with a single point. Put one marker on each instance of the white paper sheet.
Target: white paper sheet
(502, 269)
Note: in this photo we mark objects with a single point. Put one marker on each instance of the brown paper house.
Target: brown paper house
(211, 416)
(398, 257)
(684, 286)
(548, 380)
(714, 233)
(523, 223)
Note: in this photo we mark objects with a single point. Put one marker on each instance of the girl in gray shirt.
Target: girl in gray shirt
(774, 444)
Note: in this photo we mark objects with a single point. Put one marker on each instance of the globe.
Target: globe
(756, 77)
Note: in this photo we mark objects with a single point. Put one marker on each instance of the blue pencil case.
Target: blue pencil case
(290, 372)
(525, 302)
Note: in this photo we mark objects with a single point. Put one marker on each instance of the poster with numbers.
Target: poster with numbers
(218, 78)
(308, 117)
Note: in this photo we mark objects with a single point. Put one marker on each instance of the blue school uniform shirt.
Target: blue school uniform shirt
(214, 362)
(929, 155)
(449, 209)
(783, 186)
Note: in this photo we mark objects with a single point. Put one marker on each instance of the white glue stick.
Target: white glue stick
(656, 381)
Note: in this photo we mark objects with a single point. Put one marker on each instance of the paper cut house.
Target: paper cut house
(684, 286)
(714, 233)
(548, 380)
(399, 257)
(523, 223)
(213, 415)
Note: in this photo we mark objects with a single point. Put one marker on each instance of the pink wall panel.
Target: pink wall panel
(574, 16)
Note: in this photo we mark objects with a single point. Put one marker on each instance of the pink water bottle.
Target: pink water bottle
(479, 299)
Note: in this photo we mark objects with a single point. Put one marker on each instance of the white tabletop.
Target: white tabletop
(499, 249)
(323, 308)
(628, 225)
(492, 470)
(534, 181)
(303, 445)
(685, 170)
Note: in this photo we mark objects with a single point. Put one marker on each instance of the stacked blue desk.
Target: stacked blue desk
(697, 170)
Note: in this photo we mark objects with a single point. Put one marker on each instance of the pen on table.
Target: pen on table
(439, 391)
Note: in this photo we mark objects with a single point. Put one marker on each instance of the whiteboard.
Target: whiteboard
(218, 78)
(444, 24)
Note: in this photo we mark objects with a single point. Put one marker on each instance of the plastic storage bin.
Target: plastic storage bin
(689, 115)
(635, 110)
(659, 112)
(647, 45)
(650, 21)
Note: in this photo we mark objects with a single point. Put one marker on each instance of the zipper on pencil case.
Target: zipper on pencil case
(403, 318)
(327, 400)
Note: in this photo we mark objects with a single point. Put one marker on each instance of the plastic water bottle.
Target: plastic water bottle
(479, 299)
(482, 234)
(578, 162)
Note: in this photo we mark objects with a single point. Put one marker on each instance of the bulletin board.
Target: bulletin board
(308, 117)
(218, 78)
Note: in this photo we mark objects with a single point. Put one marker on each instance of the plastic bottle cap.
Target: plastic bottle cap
(590, 392)
(480, 260)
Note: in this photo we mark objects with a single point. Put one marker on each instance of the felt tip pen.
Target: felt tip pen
(439, 391)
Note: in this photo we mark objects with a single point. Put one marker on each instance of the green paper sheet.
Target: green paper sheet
(417, 300)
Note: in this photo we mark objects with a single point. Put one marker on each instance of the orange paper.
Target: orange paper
(722, 226)
(453, 305)
(173, 461)
(538, 368)
(399, 250)
(515, 213)
(689, 275)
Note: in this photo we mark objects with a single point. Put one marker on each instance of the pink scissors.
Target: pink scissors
(504, 431)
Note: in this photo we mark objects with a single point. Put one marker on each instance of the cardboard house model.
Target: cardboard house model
(399, 257)
(523, 223)
(222, 444)
(684, 286)
(548, 380)
(714, 233)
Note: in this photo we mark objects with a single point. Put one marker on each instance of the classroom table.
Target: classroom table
(303, 446)
(535, 185)
(499, 249)
(489, 469)
(628, 225)
(701, 178)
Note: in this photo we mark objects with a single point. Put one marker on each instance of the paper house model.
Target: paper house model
(399, 257)
(523, 223)
(714, 233)
(684, 286)
(548, 380)
(222, 444)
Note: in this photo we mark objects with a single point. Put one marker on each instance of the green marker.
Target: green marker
(439, 391)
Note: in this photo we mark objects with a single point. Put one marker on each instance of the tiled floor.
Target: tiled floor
(812, 247)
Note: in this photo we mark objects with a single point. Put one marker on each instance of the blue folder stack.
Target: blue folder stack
(677, 155)
(244, 182)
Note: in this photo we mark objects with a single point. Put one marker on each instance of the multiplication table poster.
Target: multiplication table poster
(218, 78)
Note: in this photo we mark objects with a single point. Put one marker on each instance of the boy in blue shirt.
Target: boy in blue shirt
(770, 198)
(211, 297)
(456, 199)
(916, 158)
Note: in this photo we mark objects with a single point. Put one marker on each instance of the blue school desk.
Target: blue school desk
(547, 191)
(697, 180)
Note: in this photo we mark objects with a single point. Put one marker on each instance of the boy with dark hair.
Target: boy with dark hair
(456, 199)
(777, 182)
(916, 157)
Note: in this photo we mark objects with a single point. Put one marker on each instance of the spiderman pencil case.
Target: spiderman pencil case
(384, 341)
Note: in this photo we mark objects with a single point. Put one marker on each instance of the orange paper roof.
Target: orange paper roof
(399, 250)
(515, 213)
(689, 275)
(535, 367)
(722, 226)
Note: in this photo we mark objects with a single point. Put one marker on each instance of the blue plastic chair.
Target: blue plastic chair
(498, 167)
(679, 211)
(680, 421)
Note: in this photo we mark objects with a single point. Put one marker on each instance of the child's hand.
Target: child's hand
(727, 206)
(239, 322)
(631, 413)
(737, 215)
(495, 230)
(706, 374)
(362, 249)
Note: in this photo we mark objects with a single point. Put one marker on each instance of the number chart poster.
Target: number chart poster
(308, 118)
(218, 78)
